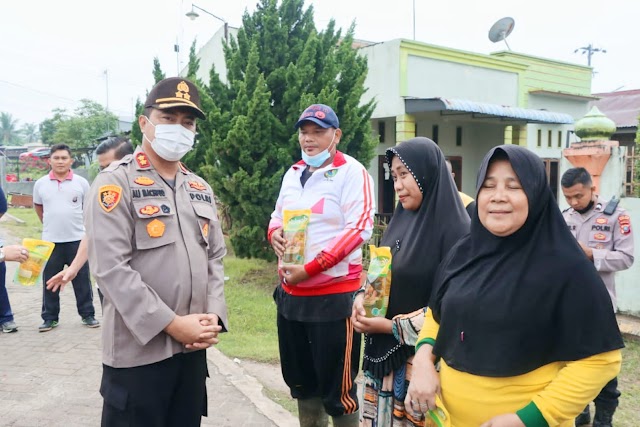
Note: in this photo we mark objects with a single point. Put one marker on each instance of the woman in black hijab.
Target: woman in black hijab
(428, 221)
(519, 318)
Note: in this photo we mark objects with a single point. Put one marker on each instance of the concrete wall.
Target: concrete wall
(553, 139)
(477, 140)
(429, 78)
(577, 109)
(383, 78)
(628, 281)
(212, 53)
(19, 187)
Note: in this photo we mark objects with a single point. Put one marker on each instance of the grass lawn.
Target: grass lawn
(32, 227)
(252, 312)
(628, 413)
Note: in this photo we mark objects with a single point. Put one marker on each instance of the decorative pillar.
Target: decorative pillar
(405, 127)
(594, 149)
(516, 135)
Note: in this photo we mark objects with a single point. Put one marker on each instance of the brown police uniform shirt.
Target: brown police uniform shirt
(609, 236)
(155, 252)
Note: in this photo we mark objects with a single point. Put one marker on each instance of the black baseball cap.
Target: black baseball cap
(175, 92)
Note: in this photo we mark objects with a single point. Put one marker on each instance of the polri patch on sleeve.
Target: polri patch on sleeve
(109, 196)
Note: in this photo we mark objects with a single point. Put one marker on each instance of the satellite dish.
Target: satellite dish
(501, 30)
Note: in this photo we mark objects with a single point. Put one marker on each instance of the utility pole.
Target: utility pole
(176, 49)
(106, 79)
(414, 20)
(589, 50)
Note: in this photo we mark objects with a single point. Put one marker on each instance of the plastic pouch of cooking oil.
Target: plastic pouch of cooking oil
(29, 272)
(294, 229)
(378, 287)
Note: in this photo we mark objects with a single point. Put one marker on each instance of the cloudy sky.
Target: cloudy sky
(54, 53)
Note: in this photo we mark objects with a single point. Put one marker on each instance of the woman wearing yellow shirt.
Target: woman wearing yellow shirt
(519, 318)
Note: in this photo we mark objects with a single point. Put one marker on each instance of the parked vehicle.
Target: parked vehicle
(36, 154)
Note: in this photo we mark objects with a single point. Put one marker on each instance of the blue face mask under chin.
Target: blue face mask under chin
(318, 160)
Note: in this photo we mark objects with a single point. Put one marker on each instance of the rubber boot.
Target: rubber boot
(348, 420)
(603, 418)
(584, 418)
(311, 413)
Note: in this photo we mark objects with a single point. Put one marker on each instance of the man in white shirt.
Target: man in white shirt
(59, 201)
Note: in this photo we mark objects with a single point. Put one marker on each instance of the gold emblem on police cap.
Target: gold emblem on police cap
(183, 90)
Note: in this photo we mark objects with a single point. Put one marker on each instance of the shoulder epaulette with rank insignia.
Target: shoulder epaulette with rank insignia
(566, 209)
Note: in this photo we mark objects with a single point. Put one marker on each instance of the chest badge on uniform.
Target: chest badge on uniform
(155, 228)
(109, 196)
(149, 210)
(142, 161)
(165, 208)
(599, 236)
(205, 230)
(144, 180)
(197, 185)
(601, 220)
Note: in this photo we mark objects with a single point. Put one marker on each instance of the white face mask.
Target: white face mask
(171, 142)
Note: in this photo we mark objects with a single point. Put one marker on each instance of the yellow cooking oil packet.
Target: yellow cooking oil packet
(29, 272)
(294, 228)
(438, 417)
(378, 285)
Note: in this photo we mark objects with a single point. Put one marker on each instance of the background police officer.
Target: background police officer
(156, 248)
(603, 230)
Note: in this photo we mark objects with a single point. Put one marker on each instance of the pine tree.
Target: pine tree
(278, 65)
(249, 163)
(158, 74)
(136, 132)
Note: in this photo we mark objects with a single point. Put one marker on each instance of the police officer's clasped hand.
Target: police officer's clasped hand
(207, 339)
(278, 242)
(195, 329)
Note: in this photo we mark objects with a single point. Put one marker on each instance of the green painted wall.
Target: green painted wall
(534, 73)
(550, 75)
(409, 47)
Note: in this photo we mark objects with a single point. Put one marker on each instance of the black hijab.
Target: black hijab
(509, 305)
(419, 240)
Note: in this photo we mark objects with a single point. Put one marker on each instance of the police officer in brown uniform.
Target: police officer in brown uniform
(603, 230)
(156, 248)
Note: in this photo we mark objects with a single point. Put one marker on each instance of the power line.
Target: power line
(41, 92)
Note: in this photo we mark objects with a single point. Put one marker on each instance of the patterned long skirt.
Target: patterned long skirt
(383, 404)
